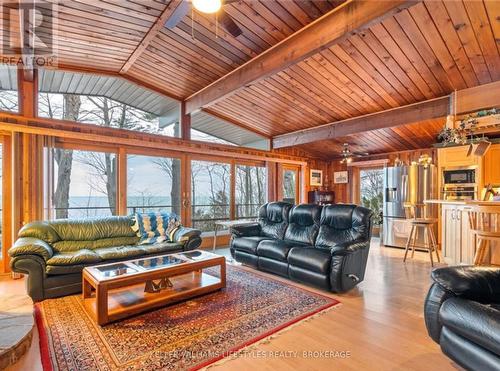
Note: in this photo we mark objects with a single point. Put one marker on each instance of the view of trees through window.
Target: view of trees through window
(289, 185)
(84, 184)
(101, 111)
(210, 188)
(9, 100)
(153, 184)
(250, 190)
(371, 191)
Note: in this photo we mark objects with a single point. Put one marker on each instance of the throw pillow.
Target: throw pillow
(152, 227)
(173, 226)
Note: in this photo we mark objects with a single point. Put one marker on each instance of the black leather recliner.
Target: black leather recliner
(326, 246)
(462, 314)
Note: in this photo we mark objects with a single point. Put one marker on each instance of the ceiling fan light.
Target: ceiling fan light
(207, 6)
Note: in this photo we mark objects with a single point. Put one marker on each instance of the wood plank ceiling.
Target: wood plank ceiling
(407, 137)
(423, 52)
(195, 53)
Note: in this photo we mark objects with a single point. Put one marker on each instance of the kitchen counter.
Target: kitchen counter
(459, 202)
(445, 202)
(458, 242)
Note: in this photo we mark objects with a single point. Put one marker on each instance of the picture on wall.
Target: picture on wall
(316, 178)
(340, 177)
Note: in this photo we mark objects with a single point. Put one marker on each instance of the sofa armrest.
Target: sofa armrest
(247, 230)
(33, 266)
(184, 234)
(470, 282)
(31, 246)
(349, 247)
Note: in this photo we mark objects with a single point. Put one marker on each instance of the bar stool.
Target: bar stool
(427, 224)
(484, 220)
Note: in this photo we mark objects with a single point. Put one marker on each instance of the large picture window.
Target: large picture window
(103, 112)
(250, 190)
(210, 188)
(290, 185)
(153, 184)
(9, 97)
(82, 184)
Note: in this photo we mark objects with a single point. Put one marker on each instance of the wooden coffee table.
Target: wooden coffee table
(118, 290)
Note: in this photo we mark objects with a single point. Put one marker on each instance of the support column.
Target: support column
(185, 121)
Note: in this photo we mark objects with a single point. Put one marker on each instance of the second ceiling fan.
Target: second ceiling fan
(207, 7)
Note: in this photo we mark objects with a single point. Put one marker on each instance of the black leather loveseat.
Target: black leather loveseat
(462, 314)
(326, 246)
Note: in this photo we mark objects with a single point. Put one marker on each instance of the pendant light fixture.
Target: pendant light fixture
(207, 6)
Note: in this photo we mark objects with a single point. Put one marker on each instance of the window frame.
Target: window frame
(76, 146)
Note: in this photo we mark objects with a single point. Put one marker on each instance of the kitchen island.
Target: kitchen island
(458, 243)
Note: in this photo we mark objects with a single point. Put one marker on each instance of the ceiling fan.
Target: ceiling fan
(207, 7)
(347, 154)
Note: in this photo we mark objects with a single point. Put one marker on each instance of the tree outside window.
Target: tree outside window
(371, 191)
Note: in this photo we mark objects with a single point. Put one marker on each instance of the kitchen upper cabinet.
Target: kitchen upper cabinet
(457, 239)
(457, 156)
(492, 165)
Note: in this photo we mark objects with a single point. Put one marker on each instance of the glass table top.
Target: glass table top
(145, 264)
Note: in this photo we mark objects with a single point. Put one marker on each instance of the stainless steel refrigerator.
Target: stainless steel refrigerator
(410, 185)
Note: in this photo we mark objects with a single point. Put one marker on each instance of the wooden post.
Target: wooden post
(185, 121)
(232, 190)
(122, 182)
(271, 181)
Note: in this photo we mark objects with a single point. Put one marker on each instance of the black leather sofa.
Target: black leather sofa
(462, 314)
(326, 246)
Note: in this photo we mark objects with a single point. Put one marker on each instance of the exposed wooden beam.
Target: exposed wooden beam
(151, 34)
(15, 123)
(430, 109)
(235, 123)
(340, 23)
(479, 97)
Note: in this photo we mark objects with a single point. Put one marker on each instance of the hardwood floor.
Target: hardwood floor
(378, 326)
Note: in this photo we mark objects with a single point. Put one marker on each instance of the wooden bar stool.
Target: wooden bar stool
(427, 225)
(484, 220)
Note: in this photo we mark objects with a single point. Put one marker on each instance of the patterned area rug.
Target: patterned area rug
(188, 335)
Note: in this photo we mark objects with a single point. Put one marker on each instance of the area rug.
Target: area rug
(189, 335)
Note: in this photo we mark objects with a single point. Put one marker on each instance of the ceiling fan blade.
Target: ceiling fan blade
(229, 25)
(180, 12)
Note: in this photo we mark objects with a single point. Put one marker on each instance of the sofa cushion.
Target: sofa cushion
(165, 247)
(91, 229)
(303, 224)
(273, 219)
(83, 256)
(480, 323)
(41, 230)
(64, 269)
(310, 258)
(63, 246)
(275, 249)
(119, 252)
(342, 223)
(248, 244)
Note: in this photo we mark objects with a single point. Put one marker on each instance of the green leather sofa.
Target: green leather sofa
(54, 253)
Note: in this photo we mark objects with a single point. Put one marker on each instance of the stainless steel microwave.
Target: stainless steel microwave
(459, 176)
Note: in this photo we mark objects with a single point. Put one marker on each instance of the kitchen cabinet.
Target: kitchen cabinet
(457, 240)
(492, 165)
(457, 156)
